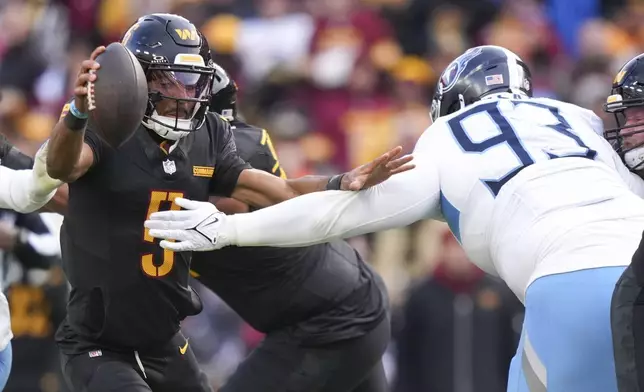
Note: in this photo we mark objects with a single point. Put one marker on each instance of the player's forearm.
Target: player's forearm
(65, 147)
(17, 190)
(307, 184)
(59, 202)
(260, 189)
(323, 216)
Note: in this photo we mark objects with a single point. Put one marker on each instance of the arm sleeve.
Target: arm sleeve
(228, 166)
(15, 188)
(323, 216)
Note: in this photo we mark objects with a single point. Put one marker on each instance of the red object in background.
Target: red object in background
(362, 29)
(82, 15)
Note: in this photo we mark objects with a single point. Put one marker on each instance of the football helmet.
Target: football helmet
(480, 71)
(627, 93)
(178, 68)
(223, 94)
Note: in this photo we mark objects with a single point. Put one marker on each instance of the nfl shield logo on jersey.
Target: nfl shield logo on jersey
(169, 166)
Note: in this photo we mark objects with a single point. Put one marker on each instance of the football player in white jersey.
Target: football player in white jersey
(23, 191)
(528, 186)
(626, 102)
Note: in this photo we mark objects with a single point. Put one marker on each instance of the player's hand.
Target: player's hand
(200, 227)
(86, 74)
(44, 186)
(377, 171)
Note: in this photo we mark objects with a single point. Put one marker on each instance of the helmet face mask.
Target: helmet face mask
(178, 67)
(626, 103)
(479, 72)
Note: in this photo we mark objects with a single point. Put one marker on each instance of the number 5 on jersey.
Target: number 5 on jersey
(148, 264)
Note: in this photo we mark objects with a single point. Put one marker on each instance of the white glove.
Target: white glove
(44, 186)
(200, 227)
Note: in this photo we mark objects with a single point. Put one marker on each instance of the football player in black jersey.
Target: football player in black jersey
(128, 296)
(626, 103)
(324, 310)
(298, 296)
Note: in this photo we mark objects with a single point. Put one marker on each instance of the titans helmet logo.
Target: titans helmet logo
(456, 68)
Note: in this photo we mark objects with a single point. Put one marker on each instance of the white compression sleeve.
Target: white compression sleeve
(323, 216)
(17, 190)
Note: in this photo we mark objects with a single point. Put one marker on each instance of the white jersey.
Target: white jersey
(528, 186)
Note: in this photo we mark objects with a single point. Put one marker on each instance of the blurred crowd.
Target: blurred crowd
(337, 82)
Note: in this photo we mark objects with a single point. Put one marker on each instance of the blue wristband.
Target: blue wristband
(76, 113)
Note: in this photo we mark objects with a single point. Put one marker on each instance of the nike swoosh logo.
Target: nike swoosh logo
(210, 223)
(183, 349)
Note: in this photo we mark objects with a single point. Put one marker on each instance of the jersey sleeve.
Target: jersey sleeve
(323, 216)
(266, 158)
(95, 143)
(229, 164)
(13, 158)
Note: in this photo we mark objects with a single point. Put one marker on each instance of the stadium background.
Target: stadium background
(335, 82)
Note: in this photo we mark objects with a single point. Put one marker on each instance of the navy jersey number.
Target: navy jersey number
(510, 138)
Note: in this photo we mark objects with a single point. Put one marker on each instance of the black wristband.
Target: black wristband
(74, 123)
(335, 183)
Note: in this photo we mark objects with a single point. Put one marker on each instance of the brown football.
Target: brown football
(118, 97)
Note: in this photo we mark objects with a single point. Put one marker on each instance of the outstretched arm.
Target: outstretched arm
(309, 219)
(323, 216)
(27, 190)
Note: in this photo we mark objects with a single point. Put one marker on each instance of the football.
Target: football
(117, 99)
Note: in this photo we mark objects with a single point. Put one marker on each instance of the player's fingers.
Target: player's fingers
(97, 52)
(395, 152)
(402, 169)
(177, 235)
(156, 224)
(80, 90)
(175, 246)
(168, 225)
(84, 78)
(86, 65)
(371, 166)
(399, 162)
(180, 216)
(192, 204)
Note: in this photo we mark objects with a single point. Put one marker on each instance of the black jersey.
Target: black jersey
(127, 292)
(323, 292)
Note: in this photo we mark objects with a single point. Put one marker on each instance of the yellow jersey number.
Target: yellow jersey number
(148, 265)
